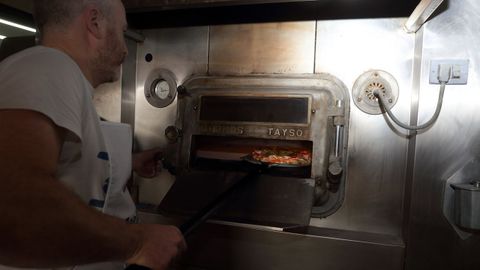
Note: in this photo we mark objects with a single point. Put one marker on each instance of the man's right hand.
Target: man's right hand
(159, 246)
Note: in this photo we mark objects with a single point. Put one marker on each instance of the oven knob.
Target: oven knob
(335, 172)
(173, 133)
(182, 92)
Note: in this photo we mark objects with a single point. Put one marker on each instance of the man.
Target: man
(53, 156)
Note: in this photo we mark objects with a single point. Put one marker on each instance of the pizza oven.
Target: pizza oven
(220, 120)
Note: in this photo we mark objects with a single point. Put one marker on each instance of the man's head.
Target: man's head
(90, 31)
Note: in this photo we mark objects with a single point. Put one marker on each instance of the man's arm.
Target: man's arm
(44, 224)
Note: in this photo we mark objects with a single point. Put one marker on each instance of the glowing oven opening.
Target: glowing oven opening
(226, 153)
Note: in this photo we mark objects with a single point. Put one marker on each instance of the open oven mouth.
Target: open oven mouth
(213, 153)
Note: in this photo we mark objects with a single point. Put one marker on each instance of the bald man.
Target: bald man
(54, 163)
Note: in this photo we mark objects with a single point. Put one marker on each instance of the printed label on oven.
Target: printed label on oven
(286, 132)
(222, 129)
(256, 131)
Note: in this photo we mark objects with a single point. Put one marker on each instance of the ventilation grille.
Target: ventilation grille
(370, 82)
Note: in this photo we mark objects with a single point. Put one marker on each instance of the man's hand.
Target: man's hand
(147, 163)
(161, 245)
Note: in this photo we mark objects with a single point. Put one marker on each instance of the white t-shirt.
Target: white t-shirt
(48, 81)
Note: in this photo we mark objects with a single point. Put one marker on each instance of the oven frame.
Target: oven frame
(324, 91)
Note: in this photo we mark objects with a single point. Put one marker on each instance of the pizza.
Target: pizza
(299, 157)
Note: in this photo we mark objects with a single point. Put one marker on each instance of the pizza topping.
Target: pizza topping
(283, 156)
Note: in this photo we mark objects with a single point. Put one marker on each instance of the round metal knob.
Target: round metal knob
(172, 133)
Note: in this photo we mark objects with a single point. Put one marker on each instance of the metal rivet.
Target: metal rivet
(314, 111)
(390, 101)
(195, 108)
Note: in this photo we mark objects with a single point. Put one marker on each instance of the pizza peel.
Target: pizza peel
(192, 223)
(258, 167)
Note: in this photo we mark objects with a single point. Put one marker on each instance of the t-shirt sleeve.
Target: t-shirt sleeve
(46, 83)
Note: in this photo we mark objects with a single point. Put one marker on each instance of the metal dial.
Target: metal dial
(160, 88)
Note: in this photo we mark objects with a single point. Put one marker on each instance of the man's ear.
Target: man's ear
(95, 22)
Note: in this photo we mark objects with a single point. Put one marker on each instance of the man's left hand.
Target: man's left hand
(147, 163)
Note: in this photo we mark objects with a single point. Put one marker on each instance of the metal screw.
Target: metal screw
(314, 111)
(390, 101)
(195, 108)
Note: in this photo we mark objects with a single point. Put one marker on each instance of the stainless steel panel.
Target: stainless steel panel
(262, 249)
(262, 48)
(129, 72)
(183, 51)
(172, 4)
(412, 142)
(221, 245)
(376, 150)
(107, 100)
(448, 145)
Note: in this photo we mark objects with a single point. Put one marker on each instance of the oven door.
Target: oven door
(267, 199)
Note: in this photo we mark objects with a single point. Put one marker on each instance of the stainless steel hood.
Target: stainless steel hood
(170, 13)
(142, 5)
(160, 13)
(149, 14)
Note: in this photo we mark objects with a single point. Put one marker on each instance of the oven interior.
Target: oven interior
(227, 153)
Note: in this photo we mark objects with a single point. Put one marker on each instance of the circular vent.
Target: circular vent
(375, 81)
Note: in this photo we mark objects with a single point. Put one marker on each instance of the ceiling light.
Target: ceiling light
(18, 25)
(2, 37)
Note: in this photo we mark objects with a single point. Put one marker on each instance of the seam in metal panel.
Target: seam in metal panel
(208, 48)
(128, 96)
(315, 48)
(129, 74)
(411, 148)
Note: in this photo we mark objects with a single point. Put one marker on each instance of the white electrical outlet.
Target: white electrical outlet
(459, 71)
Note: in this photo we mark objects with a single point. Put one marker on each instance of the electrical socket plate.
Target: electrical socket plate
(459, 71)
